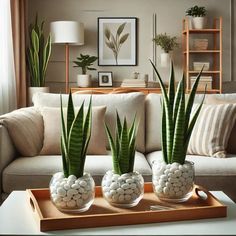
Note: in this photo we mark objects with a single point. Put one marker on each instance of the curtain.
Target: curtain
(7, 71)
(18, 16)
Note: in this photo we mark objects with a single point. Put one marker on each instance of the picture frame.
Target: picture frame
(117, 41)
(105, 79)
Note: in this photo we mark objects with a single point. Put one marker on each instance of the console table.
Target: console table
(115, 90)
(16, 218)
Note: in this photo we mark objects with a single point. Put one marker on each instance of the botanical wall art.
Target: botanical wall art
(105, 78)
(117, 41)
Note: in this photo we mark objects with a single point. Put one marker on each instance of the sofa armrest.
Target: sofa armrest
(7, 151)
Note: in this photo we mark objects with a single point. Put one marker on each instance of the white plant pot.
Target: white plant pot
(84, 81)
(165, 59)
(34, 90)
(198, 22)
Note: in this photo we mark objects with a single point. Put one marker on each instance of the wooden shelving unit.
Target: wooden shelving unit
(214, 52)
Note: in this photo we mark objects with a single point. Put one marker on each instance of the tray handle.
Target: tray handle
(201, 192)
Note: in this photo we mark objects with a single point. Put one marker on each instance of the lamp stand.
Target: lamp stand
(67, 67)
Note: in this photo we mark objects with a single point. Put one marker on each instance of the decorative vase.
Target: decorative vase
(165, 59)
(124, 190)
(33, 90)
(72, 195)
(173, 182)
(84, 81)
(198, 22)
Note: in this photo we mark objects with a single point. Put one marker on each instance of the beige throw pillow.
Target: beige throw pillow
(229, 99)
(25, 127)
(212, 129)
(52, 131)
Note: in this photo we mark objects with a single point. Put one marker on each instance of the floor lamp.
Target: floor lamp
(68, 33)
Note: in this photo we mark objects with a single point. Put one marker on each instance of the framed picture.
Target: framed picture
(105, 79)
(117, 41)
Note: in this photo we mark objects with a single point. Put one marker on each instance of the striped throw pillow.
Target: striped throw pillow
(211, 132)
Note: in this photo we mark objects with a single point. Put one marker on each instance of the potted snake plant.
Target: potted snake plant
(122, 186)
(37, 54)
(73, 190)
(173, 177)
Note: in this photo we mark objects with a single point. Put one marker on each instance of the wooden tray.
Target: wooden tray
(102, 214)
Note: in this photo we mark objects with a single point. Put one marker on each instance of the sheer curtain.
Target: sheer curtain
(7, 71)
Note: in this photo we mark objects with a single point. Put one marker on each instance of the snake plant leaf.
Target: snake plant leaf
(177, 100)
(163, 133)
(35, 41)
(191, 99)
(118, 122)
(171, 89)
(120, 29)
(116, 166)
(75, 143)
(70, 113)
(123, 38)
(124, 149)
(132, 135)
(132, 128)
(64, 162)
(179, 133)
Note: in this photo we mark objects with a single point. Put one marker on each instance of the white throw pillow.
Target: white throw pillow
(212, 129)
(52, 131)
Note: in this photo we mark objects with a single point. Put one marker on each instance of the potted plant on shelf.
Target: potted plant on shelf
(123, 187)
(167, 44)
(73, 190)
(173, 178)
(37, 54)
(85, 62)
(198, 16)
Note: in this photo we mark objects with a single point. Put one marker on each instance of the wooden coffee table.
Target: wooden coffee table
(16, 218)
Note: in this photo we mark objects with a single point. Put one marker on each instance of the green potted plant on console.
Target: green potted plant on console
(173, 177)
(73, 190)
(85, 62)
(123, 187)
(167, 44)
(198, 16)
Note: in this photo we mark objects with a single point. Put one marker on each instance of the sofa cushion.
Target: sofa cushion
(153, 122)
(25, 127)
(127, 105)
(205, 165)
(52, 131)
(212, 129)
(37, 171)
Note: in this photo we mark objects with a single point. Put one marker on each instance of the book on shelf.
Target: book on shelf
(134, 83)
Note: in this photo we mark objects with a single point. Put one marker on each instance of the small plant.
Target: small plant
(166, 42)
(37, 54)
(196, 11)
(85, 62)
(123, 146)
(115, 42)
(75, 138)
(176, 124)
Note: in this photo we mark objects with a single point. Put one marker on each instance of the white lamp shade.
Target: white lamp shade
(71, 32)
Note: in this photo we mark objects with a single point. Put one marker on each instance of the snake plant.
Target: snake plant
(176, 113)
(75, 138)
(123, 146)
(37, 54)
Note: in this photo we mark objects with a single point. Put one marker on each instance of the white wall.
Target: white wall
(169, 19)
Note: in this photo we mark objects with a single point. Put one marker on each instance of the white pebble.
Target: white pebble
(85, 196)
(71, 203)
(128, 197)
(114, 186)
(62, 204)
(115, 197)
(176, 189)
(72, 178)
(66, 199)
(71, 192)
(79, 202)
(134, 196)
(75, 186)
(128, 191)
(113, 192)
(121, 198)
(120, 191)
(82, 183)
(61, 192)
(66, 186)
(81, 190)
(129, 181)
(125, 186)
(77, 196)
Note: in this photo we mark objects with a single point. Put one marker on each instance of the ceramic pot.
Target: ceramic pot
(173, 182)
(72, 195)
(124, 190)
(198, 22)
(165, 59)
(84, 81)
(34, 90)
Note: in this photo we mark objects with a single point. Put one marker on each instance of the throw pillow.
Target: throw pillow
(226, 99)
(25, 127)
(52, 131)
(212, 129)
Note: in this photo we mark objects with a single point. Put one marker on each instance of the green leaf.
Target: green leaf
(121, 28)
(123, 38)
(70, 113)
(163, 132)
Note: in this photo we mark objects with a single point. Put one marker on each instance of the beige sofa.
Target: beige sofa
(19, 172)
